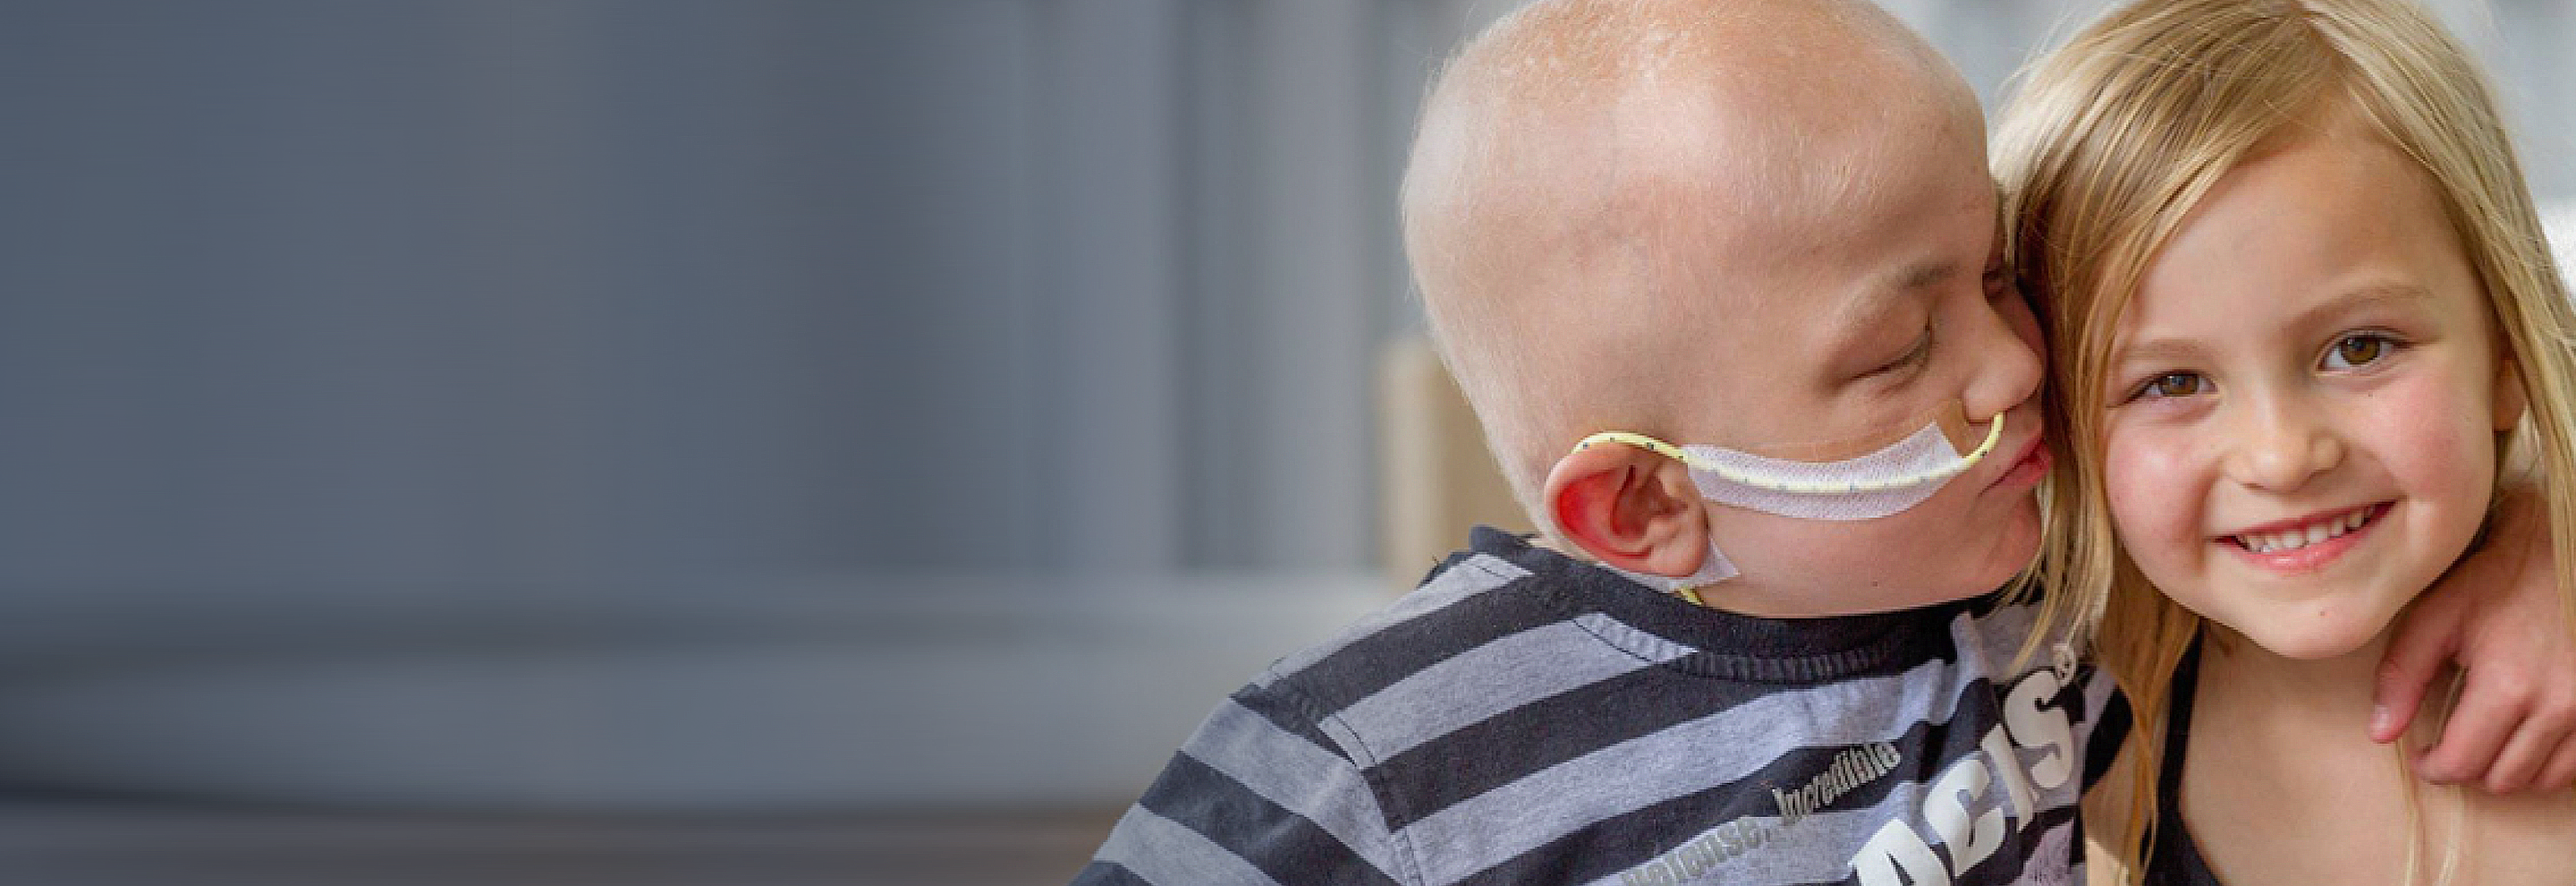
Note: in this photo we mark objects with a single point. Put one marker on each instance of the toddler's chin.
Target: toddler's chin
(2016, 551)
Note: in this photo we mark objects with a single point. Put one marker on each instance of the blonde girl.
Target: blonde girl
(2304, 324)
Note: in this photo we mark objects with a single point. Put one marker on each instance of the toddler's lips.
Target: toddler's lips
(2029, 468)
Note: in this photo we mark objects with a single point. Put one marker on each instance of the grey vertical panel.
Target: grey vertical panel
(1220, 471)
(2534, 66)
(522, 282)
(1311, 136)
(928, 394)
(1412, 40)
(1294, 278)
(2552, 79)
(1113, 443)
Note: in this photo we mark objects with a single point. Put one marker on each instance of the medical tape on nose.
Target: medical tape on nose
(1877, 484)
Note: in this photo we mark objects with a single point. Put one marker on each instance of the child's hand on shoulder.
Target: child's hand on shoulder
(2498, 615)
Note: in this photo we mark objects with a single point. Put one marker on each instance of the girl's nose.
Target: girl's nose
(2280, 445)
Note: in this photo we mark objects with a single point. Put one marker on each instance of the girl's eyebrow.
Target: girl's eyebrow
(2393, 295)
(2154, 350)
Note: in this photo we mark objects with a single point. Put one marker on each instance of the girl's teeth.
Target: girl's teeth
(2312, 534)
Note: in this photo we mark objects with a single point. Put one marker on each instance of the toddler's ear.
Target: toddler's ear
(1629, 508)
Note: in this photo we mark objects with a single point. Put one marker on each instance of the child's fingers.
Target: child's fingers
(2491, 708)
(2424, 642)
(2526, 751)
(2560, 774)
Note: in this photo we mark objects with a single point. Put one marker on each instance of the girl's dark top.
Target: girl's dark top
(2176, 859)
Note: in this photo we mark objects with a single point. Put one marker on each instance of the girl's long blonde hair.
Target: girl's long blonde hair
(2113, 140)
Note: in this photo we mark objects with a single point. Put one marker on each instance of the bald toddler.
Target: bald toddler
(1756, 241)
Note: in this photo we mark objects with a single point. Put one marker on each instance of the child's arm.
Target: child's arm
(2499, 616)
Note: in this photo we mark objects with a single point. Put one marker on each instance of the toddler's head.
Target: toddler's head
(1765, 226)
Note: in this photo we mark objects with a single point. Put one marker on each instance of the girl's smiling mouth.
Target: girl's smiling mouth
(2307, 543)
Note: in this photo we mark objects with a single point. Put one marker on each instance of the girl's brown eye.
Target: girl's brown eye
(2176, 384)
(2357, 350)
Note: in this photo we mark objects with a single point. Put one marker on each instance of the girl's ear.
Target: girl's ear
(1629, 508)
(2509, 398)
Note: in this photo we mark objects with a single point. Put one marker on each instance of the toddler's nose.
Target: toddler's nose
(2011, 368)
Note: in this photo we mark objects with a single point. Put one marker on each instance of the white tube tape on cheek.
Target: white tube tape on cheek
(1868, 487)
(1865, 488)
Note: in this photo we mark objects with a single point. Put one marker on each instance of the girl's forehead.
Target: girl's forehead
(2315, 218)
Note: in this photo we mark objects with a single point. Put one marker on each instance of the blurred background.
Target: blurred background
(730, 441)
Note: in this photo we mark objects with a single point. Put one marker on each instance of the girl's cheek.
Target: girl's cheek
(2405, 433)
(2144, 479)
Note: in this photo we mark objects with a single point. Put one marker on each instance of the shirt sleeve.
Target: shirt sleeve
(1261, 795)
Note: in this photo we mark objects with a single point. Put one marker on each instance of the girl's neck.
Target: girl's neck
(2284, 785)
(2280, 756)
(2330, 692)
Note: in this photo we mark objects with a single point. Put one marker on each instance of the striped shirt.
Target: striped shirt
(1526, 718)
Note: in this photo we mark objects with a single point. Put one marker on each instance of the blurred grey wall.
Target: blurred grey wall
(408, 400)
(566, 291)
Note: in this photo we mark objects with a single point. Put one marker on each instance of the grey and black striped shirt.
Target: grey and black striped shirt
(1525, 718)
